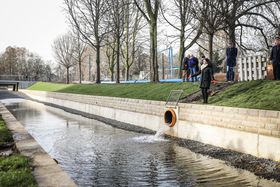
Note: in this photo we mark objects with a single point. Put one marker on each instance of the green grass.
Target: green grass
(5, 134)
(15, 171)
(147, 91)
(260, 94)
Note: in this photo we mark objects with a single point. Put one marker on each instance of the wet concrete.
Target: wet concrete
(265, 168)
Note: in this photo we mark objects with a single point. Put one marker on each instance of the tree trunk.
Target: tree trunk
(118, 59)
(153, 50)
(232, 33)
(98, 81)
(211, 39)
(67, 75)
(127, 73)
(112, 66)
(181, 51)
(80, 71)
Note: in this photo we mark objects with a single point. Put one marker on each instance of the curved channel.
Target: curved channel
(96, 154)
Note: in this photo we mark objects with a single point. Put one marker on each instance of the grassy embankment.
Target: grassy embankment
(148, 91)
(14, 170)
(260, 94)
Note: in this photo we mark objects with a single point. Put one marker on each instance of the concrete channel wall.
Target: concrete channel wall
(46, 171)
(251, 131)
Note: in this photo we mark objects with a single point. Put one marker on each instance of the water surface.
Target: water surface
(96, 154)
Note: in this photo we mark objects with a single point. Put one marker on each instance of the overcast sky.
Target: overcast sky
(32, 24)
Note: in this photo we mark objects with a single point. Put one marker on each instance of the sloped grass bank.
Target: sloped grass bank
(260, 94)
(15, 170)
(147, 91)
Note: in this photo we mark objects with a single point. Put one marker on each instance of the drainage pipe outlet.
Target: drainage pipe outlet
(170, 117)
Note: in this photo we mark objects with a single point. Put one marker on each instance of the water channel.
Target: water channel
(96, 154)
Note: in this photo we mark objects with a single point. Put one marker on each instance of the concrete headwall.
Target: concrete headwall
(251, 131)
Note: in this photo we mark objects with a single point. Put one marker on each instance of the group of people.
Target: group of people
(191, 67)
(191, 70)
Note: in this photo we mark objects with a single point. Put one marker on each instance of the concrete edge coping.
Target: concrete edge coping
(243, 111)
(46, 171)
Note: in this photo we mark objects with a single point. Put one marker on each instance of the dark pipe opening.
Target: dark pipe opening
(168, 117)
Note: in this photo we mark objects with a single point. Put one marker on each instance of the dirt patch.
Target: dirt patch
(214, 89)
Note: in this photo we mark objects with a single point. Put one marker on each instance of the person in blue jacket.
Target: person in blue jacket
(231, 54)
(275, 58)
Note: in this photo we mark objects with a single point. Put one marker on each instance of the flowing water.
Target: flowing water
(96, 154)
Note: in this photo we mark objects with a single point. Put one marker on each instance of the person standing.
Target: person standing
(231, 54)
(193, 67)
(206, 78)
(185, 67)
(275, 58)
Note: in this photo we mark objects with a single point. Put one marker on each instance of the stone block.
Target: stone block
(265, 132)
(276, 133)
(272, 114)
(253, 112)
(271, 126)
(243, 111)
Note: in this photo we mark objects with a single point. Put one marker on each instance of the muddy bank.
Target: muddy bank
(265, 168)
(214, 89)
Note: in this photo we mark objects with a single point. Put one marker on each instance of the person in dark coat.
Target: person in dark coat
(231, 54)
(185, 67)
(275, 58)
(207, 77)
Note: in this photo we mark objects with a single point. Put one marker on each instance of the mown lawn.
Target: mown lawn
(14, 170)
(260, 94)
(148, 91)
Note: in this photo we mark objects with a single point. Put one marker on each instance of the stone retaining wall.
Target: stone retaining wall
(263, 122)
(251, 131)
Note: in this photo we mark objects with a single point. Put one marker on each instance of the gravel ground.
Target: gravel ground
(265, 168)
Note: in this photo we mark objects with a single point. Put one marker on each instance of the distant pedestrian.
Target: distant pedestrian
(275, 58)
(193, 67)
(206, 78)
(231, 54)
(185, 67)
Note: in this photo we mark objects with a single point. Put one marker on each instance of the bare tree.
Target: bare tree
(88, 17)
(64, 48)
(132, 27)
(150, 11)
(189, 28)
(110, 52)
(235, 10)
(206, 11)
(79, 53)
(116, 22)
